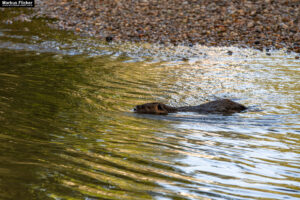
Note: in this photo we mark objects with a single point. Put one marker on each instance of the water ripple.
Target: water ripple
(68, 131)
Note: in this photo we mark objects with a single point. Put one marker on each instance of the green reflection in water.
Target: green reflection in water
(59, 130)
(33, 91)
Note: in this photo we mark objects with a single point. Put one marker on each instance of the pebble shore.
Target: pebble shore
(261, 24)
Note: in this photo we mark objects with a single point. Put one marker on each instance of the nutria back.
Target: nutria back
(222, 106)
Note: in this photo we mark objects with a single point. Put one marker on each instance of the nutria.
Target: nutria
(221, 106)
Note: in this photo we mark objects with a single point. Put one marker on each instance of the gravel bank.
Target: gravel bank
(257, 23)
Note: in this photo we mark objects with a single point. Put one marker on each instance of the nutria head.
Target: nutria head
(152, 108)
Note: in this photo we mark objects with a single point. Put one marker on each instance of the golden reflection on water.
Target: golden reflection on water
(68, 130)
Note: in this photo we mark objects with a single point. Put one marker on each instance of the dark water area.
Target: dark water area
(67, 130)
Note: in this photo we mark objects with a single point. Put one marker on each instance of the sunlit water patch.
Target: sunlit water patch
(67, 129)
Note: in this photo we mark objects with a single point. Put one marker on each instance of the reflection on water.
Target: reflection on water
(67, 129)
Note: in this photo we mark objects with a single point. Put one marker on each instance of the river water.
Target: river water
(67, 130)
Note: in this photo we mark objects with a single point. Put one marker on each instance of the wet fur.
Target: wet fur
(221, 106)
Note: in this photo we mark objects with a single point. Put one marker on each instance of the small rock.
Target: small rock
(283, 25)
(109, 39)
(250, 24)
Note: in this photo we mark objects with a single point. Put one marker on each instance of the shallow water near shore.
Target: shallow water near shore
(67, 130)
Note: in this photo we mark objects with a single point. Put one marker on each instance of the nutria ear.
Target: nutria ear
(162, 109)
(159, 107)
